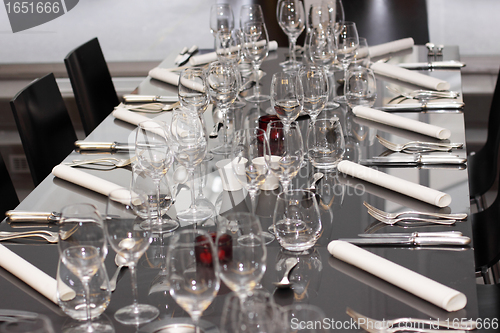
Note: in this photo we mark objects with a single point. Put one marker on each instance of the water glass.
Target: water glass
(325, 143)
(360, 87)
(297, 221)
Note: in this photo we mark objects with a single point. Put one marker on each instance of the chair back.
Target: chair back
(7, 189)
(93, 88)
(44, 126)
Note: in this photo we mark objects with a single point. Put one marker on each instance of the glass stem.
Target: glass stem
(133, 275)
(224, 110)
(193, 193)
(253, 200)
(86, 290)
(256, 88)
(291, 49)
(285, 184)
(158, 209)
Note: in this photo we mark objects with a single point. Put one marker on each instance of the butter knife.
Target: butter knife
(414, 234)
(412, 241)
(149, 98)
(433, 65)
(102, 146)
(423, 106)
(25, 216)
(413, 160)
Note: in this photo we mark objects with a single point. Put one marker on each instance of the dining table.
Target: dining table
(319, 278)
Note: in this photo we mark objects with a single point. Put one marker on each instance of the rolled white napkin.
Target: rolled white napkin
(128, 116)
(415, 283)
(407, 75)
(88, 181)
(32, 276)
(417, 191)
(390, 47)
(401, 122)
(212, 56)
(165, 75)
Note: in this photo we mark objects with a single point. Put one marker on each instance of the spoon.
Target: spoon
(316, 177)
(120, 262)
(218, 123)
(289, 264)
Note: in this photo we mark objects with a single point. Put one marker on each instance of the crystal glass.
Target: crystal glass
(347, 43)
(297, 221)
(193, 271)
(362, 55)
(130, 240)
(336, 16)
(287, 97)
(288, 151)
(243, 269)
(189, 146)
(155, 158)
(315, 84)
(82, 248)
(322, 46)
(360, 87)
(193, 92)
(325, 143)
(251, 13)
(291, 18)
(256, 48)
(223, 87)
(221, 19)
(296, 314)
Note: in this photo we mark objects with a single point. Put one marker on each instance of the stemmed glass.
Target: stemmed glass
(193, 92)
(287, 97)
(251, 13)
(288, 151)
(256, 48)
(155, 158)
(193, 271)
(322, 46)
(130, 242)
(221, 19)
(336, 16)
(347, 43)
(291, 18)
(189, 146)
(243, 264)
(82, 247)
(315, 84)
(223, 87)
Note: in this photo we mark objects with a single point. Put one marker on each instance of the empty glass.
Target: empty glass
(360, 87)
(347, 43)
(192, 90)
(322, 46)
(297, 317)
(325, 143)
(250, 13)
(287, 97)
(256, 48)
(315, 84)
(291, 18)
(221, 19)
(362, 55)
(297, 221)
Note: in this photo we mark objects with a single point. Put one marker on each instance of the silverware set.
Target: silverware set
(422, 95)
(418, 146)
(148, 107)
(108, 162)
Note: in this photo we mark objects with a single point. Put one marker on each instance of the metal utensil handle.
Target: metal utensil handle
(140, 98)
(95, 145)
(456, 241)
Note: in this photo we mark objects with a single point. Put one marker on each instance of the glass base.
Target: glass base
(165, 225)
(224, 149)
(84, 327)
(332, 105)
(340, 99)
(238, 104)
(195, 214)
(136, 315)
(258, 98)
(291, 65)
(268, 237)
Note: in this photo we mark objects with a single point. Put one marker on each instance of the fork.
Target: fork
(409, 219)
(149, 107)
(379, 212)
(424, 94)
(418, 146)
(49, 236)
(394, 325)
(113, 161)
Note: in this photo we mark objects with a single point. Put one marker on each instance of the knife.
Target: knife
(106, 146)
(433, 65)
(179, 56)
(149, 98)
(414, 234)
(185, 57)
(39, 217)
(416, 159)
(413, 241)
(423, 106)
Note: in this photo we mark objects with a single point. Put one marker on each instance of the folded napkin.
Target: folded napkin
(32, 276)
(129, 116)
(407, 75)
(212, 56)
(417, 191)
(401, 122)
(415, 283)
(394, 46)
(89, 181)
(165, 75)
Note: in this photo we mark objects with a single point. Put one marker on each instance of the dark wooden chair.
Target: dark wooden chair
(94, 91)
(7, 189)
(44, 125)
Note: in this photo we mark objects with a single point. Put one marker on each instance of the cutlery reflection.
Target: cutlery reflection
(25, 216)
(102, 146)
(414, 160)
(49, 236)
(410, 240)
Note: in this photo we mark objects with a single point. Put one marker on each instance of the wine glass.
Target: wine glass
(251, 13)
(193, 92)
(362, 56)
(82, 248)
(189, 146)
(242, 265)
(130, 240)
(297, 221)
(325, 143)
(193, 271)
(315, 85)
(256, 48)
(347, 43)
(291, 18)
(223, 87)
(322, 46)
(360, 87)
(287, 97)
(288, 153)
(336, 15)
(155, 158)
(221, 19)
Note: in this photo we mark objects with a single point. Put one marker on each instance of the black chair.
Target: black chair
(44, 125)
(7, 189)
(482, 166)
(94, 91)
